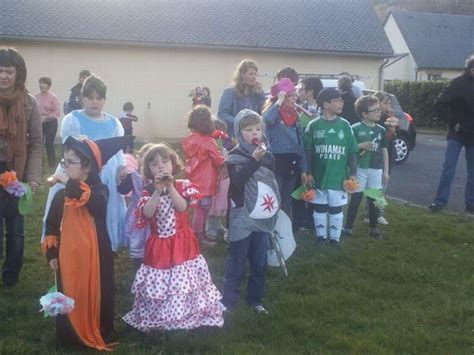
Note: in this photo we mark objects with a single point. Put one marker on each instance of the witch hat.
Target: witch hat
(100, 151)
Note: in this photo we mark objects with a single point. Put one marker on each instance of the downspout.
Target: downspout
(385, 61)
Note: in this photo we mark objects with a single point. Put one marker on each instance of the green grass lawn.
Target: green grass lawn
(411, 292)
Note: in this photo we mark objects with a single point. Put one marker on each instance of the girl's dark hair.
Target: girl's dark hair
(363, 103)
(200, 120)
(45, 80)
(289, 73)
(128, 106)
(344, 83)
(207, 89)
(313, 83)
(166, 152)
(241, 69)
(94, 84)
(10, 57)
(221, 125)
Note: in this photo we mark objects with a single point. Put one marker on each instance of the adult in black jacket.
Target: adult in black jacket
(455, 105)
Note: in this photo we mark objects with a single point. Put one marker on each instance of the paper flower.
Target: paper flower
(219, 134)
(350, 186)
(10, 183)
(55, 303)
(308, 195)
(16, 189)
(7, 178)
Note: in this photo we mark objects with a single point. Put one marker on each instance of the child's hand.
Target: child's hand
(365, 145)
(281, 98)
(122, 173)
(158, 183)
(259, 152)
(53, 264)
(167, 179)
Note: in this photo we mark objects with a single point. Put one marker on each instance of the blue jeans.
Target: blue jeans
(14, 235)
(254, 248)
(449, 168)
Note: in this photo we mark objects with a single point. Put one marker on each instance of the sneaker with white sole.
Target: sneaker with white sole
(382, 220)
(260, 309)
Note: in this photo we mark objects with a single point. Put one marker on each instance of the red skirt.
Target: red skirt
(165, 253)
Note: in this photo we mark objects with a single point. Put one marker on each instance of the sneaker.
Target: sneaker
(260, 309)
(382, 220)
(434, 207)
(375, 233)
(346, 232)
(226, 235)
(366, 220)
(321, 240)
(334, 243)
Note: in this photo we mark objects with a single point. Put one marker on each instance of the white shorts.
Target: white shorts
(369, 179)
(333, 198)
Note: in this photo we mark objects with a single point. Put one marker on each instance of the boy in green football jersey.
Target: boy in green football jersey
(372, 170)
(330, 149)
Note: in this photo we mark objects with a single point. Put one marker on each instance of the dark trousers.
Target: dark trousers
(453, 150)
(49, 134)
(130, 146)
(286, 185)
(356, 198)
(12, 222)
(254, 248)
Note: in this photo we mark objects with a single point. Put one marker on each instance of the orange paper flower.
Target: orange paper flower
(308, 195)
(7, 178)
(350, 186)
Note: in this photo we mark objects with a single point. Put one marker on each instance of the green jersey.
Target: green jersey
(330, 144)
(377, 135)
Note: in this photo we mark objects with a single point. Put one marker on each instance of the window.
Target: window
(433, 77)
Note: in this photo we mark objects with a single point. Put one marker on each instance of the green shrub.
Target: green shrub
(417, 98)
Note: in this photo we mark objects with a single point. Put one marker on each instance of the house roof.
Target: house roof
(347, 26)
(440, 41)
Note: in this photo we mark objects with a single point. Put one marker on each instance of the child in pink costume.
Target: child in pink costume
(203, 159)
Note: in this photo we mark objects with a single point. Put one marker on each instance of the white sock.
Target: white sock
(335, 225)
(321, 224)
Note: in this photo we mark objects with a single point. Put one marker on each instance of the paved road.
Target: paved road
(416, 180)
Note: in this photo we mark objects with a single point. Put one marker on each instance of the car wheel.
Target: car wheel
(401, 150)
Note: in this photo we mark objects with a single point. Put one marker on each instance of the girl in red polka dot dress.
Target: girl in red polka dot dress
(173, 288)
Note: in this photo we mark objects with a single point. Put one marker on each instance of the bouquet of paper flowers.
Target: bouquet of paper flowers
(9, 182)
(305, 192)
(350, 186)
(55, 303)
(220, 136)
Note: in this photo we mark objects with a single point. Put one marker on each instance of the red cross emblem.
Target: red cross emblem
(268, 202)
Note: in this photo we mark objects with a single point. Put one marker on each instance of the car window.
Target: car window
(397, 109)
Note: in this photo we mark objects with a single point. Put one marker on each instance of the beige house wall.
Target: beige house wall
(445, 73)
(158, 80)
(405, 68)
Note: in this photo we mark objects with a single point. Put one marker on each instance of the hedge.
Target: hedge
(417, 98)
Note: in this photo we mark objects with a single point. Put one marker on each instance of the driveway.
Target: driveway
(416, 180)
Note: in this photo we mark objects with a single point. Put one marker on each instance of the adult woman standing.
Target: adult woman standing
(245, 92)
(21, 151)
(50, 110)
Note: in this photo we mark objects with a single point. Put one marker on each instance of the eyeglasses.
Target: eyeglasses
(375, 110)
(66, 162)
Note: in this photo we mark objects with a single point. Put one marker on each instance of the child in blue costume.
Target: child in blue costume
(92, 123)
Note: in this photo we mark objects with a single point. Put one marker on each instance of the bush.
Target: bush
(417, 98)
